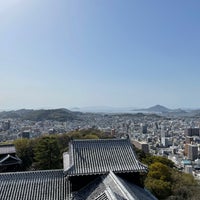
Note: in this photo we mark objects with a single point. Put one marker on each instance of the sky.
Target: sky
(75, 53)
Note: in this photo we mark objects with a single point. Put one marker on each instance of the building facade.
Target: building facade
(192, 152)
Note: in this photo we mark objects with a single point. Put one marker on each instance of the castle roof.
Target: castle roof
(9, 160)
(104, 158)
(112, 187)
(34, 185)
(101, 156)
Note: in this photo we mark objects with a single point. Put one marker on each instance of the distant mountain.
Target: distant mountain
(153, 109)
(61, 114)
(158, 108)
(164, 111)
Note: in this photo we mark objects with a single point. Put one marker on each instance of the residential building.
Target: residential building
(192, 132)
(141, 145)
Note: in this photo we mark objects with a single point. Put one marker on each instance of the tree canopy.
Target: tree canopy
(47, 153)
(165, 181)
(24, 150)
(158, 180)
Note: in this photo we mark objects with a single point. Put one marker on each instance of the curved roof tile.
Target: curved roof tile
(101, 156)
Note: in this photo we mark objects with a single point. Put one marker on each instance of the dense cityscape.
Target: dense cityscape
(176, 138)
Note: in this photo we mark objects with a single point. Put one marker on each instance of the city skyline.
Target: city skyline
(65, 54)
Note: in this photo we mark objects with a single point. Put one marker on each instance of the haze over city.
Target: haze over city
(56, 54)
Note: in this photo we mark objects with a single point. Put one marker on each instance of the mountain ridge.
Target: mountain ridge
(158, 108)
(63, 114)
(60, 114)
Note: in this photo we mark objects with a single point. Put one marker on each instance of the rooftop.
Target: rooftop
(10, 160)
(101, 156)
(35, 185)
(7, 149)
(112, 187)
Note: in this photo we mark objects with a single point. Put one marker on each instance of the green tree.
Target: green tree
(63, 142)
(160, 171)
(91, 136)
(165, 181)
(47, 153)
(149, 159)
(158, 180)
(82, 134)
(184, 186)
(24, 150)
(161, 189)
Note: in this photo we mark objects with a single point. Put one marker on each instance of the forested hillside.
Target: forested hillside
(40, 115)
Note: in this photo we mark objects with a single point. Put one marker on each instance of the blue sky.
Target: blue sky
(74, 53)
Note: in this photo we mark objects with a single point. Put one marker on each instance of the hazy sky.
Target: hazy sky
(76, 53)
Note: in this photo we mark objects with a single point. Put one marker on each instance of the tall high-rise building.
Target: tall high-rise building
(163, 138)
(192, 151)
(192, 132)
(162, 131)
(144, 128)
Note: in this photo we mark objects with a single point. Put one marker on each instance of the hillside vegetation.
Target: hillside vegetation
(165, 181)
(40, 115)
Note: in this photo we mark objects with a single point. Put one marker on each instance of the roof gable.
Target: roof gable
(101, 156)
(112, 187)
(10, 160)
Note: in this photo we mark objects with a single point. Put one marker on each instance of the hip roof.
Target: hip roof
(101, 156)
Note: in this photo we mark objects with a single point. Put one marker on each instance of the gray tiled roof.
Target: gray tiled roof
(9, 160)
(102, 156)
(103, 196)
(7, 149)
(112, 187)
(35, 185)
